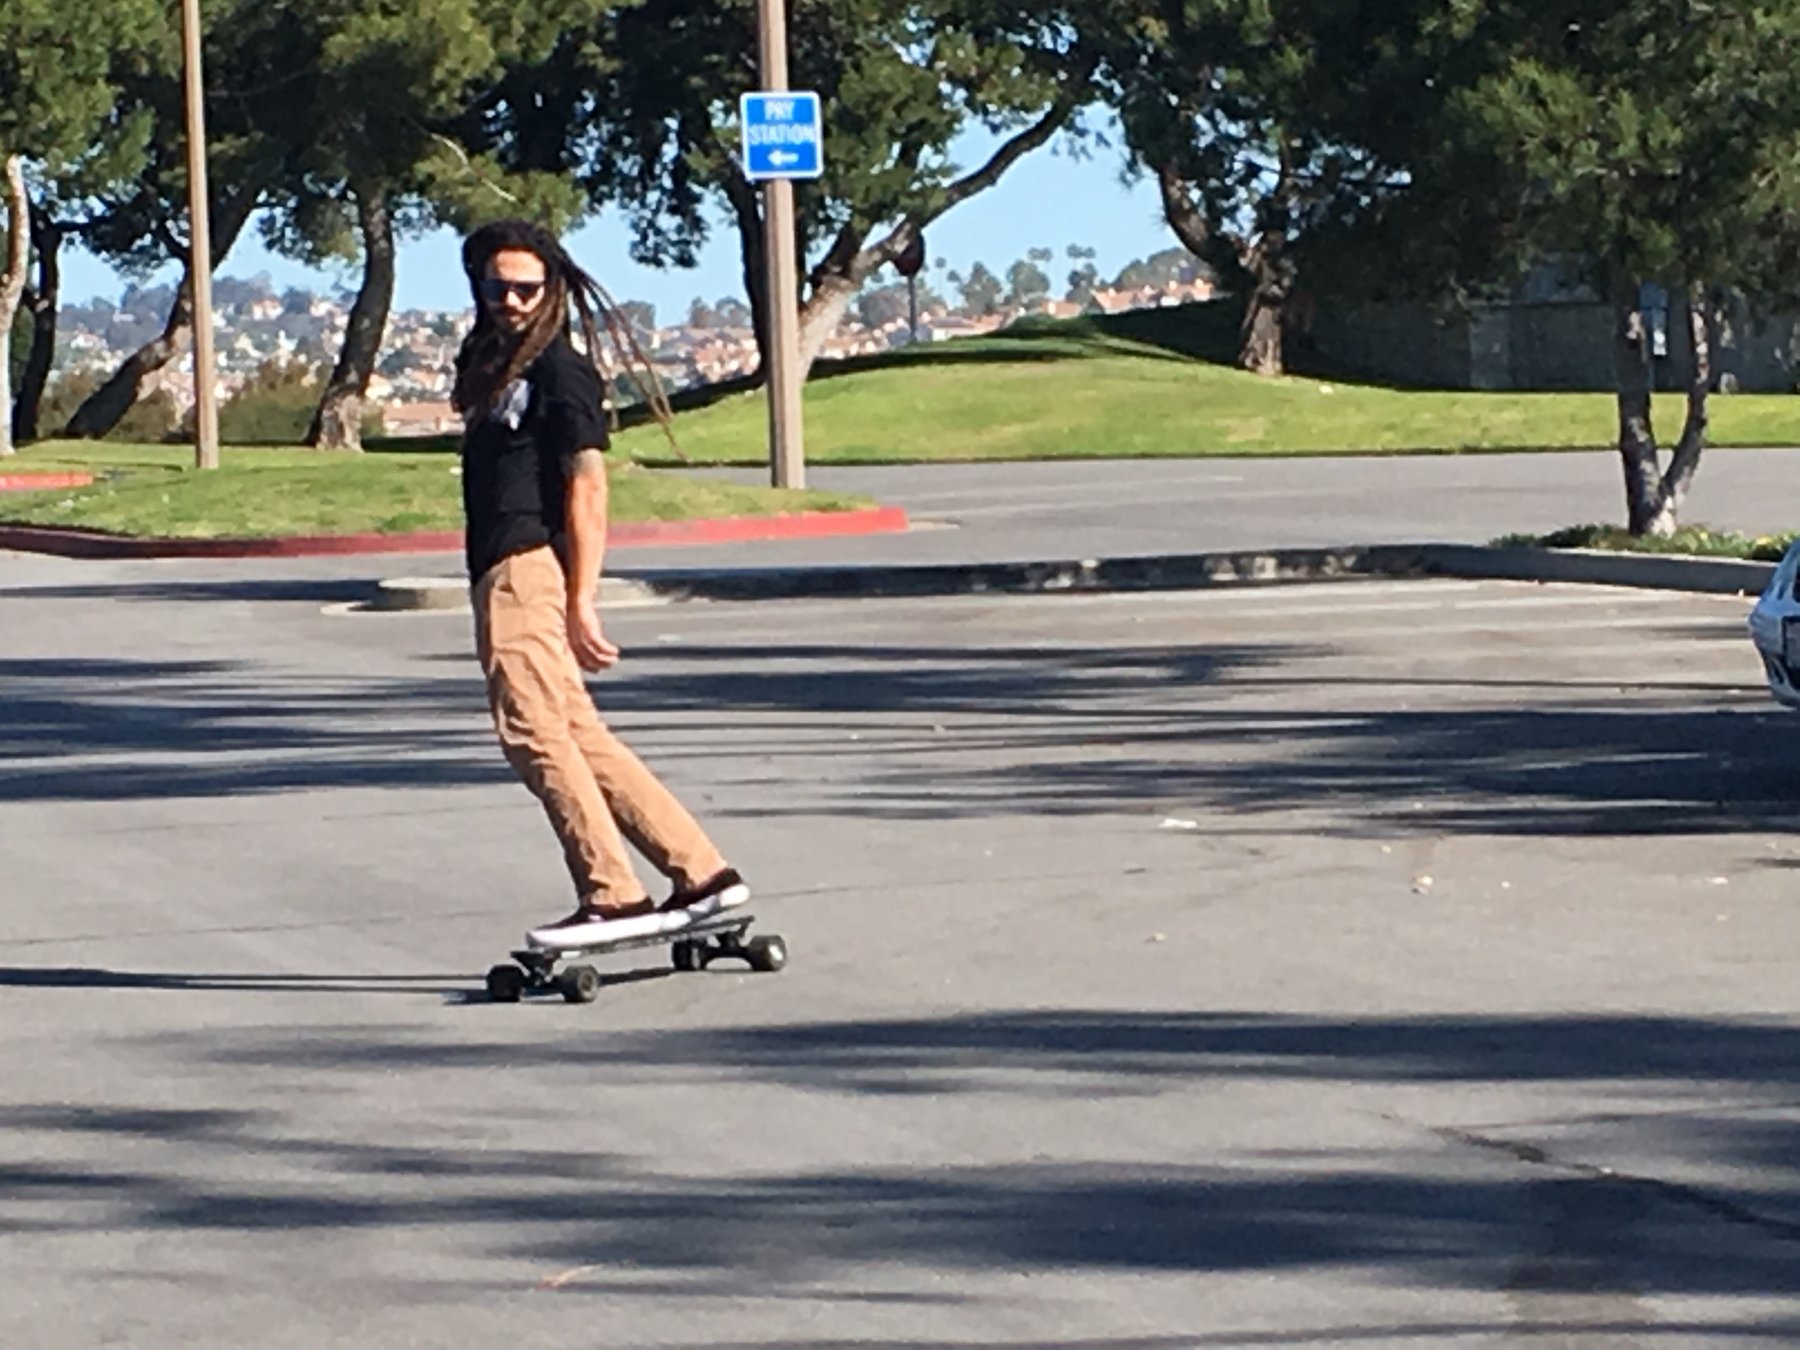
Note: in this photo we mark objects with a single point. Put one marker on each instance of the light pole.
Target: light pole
(206, 413)
(787, 434)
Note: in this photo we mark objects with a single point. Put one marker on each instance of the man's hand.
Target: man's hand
(592, 651)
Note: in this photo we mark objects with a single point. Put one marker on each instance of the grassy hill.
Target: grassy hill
(1155, 382)
(1151, 383)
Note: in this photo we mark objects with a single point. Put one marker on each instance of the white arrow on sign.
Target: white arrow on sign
(782, 158)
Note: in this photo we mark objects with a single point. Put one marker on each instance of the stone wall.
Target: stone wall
(1554, 346)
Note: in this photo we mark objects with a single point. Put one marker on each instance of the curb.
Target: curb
(1599, 567)
(64, 542)
(1170, 572)
(43, 482)
(450, 595)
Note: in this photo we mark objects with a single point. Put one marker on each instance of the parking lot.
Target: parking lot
(1377, 963)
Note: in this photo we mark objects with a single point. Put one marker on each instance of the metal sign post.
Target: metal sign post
(206, 412)
(783, 140)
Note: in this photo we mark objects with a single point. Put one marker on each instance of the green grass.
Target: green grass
(1690, 540)
(1154, 383)
(1151, 383)
(266, 493)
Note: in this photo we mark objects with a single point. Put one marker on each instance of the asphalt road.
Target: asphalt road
(1008, 512)
(1373, 964)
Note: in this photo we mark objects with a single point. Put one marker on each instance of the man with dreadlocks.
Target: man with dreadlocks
(535, 498)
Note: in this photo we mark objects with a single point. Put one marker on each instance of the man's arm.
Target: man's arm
(586, 522)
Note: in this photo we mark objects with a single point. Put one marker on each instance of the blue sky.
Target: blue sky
(1049, 199)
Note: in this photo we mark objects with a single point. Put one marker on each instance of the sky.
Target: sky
(1049, 199)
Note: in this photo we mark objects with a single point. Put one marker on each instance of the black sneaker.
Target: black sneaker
(725, 891)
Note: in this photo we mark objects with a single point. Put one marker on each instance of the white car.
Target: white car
(1775, 629)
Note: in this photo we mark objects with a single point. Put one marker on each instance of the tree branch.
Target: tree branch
(1702, 326)
(1187, 220)
(860, 264)
(1024, 142)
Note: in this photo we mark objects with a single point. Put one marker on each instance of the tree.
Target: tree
(732, 312)
(641, 103)
(981, 291)
(369, 159)
(1083, 282)
(701, 315)
(141, 223)
(879, 306)
(1262, 122)
(61, 125)
(12, 280)
(641, 315)
(1637, 144)
(1026, 282)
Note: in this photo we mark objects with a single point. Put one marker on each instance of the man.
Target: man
(535, 497)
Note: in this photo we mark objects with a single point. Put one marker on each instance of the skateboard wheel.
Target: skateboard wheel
(767, 954)
(579, 984)
(505, 984)
(687, 956)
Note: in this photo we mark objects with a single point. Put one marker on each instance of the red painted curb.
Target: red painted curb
(72, 543)
(39, 482)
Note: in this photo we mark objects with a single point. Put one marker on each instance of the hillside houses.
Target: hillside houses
(414, 370)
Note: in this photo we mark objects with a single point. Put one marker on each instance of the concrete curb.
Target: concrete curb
(451, 595)
(1167, 572)
(1598, 567)
(75, 543)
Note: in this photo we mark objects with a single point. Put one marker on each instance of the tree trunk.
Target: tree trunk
(1703, 325)
(42, 300)
(746, 205)
(823, 312)
(12, 285)
(1187, 220)
(337, 425)
(1265, 313)
(1272, 274)
(1637, 436)
(1263, 343)
(100, 411)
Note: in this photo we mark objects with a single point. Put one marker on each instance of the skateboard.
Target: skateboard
(692, 947)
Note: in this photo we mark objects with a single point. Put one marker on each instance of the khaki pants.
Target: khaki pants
(596, 792)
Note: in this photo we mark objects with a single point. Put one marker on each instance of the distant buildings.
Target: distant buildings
(415, 366)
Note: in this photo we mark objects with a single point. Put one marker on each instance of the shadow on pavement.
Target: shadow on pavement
(1256, 729)
(454, 988)
(1461, 1216)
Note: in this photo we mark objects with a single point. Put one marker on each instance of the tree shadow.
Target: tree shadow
(454, 987)
(1461, 1216)
(243, 590)
(1271, 728)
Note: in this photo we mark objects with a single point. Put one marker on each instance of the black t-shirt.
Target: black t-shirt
(515, 459)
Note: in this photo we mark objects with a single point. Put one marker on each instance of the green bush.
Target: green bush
(150, 419)
(1694, 540)
(275, 406)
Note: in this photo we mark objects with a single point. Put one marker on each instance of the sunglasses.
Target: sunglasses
(494, 290)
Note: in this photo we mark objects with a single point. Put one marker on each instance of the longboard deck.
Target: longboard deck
(731, 921)
(694, 947)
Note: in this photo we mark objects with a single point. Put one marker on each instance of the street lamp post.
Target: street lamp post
(787, 436)
(206, 413)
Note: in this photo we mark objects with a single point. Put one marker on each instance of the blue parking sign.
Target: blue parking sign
(784, 135)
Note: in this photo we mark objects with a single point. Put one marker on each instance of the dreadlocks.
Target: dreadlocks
(491, 359)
